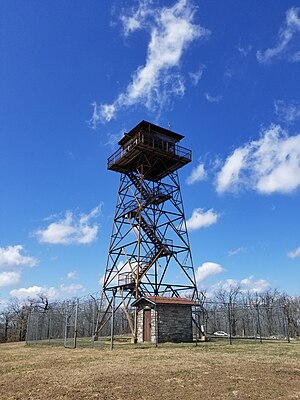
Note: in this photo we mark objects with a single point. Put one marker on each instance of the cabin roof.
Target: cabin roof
(151, 128)
(165, 300)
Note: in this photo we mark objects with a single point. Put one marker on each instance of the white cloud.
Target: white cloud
(296, 57)
(224, 285)
(52, 293)
(201, 219)
(71, 229)
(171, 31)
(255, 286)
(268, 165)
(294, 253)
(72, 275)
(244, 50)
(196, 76)
(248, 284)
(34, 292)
(3, 304)
(229, 176)
(137, 17)
(287, 112)
(71, 289)
(122, 267)
(213, 99)
(287, 33)
(206, 270)
(236, 251)
(11, 256)
(9, 278)
(198, 174)
(101, 280)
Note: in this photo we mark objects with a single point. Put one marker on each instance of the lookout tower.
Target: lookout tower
(149, 255)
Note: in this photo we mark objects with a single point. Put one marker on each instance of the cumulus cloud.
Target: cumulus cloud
(229, 176)
(171, 31)
(198, 174)
(52, 293)
(8, 278)
(71, 289)
(284, 47)
(294, 253)
(201, 219)
(287, 111)
(206, 270)
(34, 292)
(255, 286)
(13, 256)
(268, 165)
(249, 284)
(71, 229)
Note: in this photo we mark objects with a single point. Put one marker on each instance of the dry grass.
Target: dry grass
(209, 371)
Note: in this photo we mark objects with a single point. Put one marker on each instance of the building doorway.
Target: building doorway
(147, 326)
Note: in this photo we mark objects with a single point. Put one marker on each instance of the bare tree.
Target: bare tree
(229, 298)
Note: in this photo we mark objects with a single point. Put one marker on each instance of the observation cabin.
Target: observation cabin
(150, 149)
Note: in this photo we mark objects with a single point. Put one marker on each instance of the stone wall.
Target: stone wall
(174, 323)
(140, 324)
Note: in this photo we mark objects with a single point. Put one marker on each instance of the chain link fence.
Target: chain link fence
(247, 321)
(74, 323)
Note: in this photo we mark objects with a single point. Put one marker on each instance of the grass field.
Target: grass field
(213, 370)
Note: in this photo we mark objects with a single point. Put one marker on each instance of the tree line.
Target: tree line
(268, 314)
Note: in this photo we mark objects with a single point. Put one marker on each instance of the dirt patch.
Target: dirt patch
(211, 370)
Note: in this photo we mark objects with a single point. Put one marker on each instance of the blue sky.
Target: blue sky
(75, 75)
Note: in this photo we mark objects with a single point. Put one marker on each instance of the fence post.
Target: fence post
(258, 323)
(195, 324)
(93, 324)
(75, 323)
(112, 322)
(229, 322)
(27, 328)
(66, 330)
(49, 329)
(156, 324)
(287, 311)
(37, 328)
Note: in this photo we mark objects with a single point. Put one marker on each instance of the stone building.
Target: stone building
(164, 319)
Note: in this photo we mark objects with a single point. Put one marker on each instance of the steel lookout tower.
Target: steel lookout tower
(149, 253)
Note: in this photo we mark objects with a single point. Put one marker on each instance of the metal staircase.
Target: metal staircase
(130, 278)
(132, 211)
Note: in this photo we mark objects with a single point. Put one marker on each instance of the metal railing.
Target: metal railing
(151, 142)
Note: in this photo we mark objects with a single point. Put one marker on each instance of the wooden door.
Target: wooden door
(147, 326)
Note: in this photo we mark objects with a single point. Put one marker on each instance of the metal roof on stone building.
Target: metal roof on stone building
(182, 301)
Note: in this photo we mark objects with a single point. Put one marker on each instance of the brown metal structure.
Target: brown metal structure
(149, 253)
